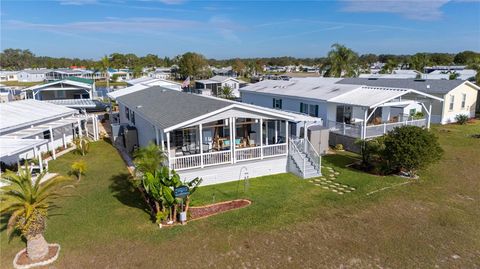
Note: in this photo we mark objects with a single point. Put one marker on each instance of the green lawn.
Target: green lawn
(291, 222)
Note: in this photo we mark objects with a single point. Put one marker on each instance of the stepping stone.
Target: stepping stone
(352, 188)
(337, 173)
(316, 180)
(341, 193)
(334, 190)
(331, 175)
(325, 187)
(347, 191)
(336, 184)
(323, 183)
(329, 181)
(316, 184)
(345, 186)
(341, 188)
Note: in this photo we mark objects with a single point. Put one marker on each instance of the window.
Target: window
(464, 100)
(133, 117)
(413, 111)
(46, 134)
(313, 111)
(127, 113)
(452, 100)
(303, 108)
(277, 103)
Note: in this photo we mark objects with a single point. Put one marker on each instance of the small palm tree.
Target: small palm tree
(105, 65)
(28, 202)
(83, 144)
(149, 158)
(78, 169)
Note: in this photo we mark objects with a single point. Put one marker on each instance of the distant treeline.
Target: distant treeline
(16, 59)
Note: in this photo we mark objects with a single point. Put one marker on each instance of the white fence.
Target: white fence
(274, 150)
(246, 154)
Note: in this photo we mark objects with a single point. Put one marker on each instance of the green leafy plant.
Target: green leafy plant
(370, 150)
(409, 148)
(419, 115)
(461, 119)
(338, 147)
(83, 145)
(78, 169)
(28, 201)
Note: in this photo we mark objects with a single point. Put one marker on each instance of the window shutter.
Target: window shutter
(273, 103)
(316, 110)
(301, 107)
(280, 104)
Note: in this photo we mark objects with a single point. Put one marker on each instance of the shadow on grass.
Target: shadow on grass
(4, 225)
(126, 194)
(340, 160)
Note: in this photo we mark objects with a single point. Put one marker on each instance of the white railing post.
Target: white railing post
(201, 144)
(261, 138)
(287, 140)
(230, 128)
(168, 152)
(384, 128)
(344, 128)
(232, 142)
(276, 131)
(54, 155)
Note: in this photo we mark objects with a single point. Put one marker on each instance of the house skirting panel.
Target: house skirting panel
(232, 172)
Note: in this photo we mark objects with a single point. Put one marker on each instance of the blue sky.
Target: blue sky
(228, 29)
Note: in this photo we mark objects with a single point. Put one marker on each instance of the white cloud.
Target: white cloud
(412, 9)
(77, 2)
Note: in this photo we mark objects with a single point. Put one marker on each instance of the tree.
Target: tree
(409, 148)
(82, 144)
(226, 92)
(389, 66)
(148, 159)
(341, 62)
(370, 149)
(465, 57)
(239, 67)
(192, 64)
(105, 65)
(419, 61)
(453, 76)
(28, 202)
(78, 169)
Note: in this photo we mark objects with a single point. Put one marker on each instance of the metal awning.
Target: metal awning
(9, 147)
(35, 130)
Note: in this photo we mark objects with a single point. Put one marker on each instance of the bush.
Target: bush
(418, 116)
(369, 150)
(461, 119)
(338, 147)
(409, 148)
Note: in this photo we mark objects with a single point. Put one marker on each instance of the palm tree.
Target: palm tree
(83, 144)
(148, 159)
(341, 62)
(104, 67)
(28, 202)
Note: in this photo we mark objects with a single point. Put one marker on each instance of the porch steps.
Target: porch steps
(310, 170)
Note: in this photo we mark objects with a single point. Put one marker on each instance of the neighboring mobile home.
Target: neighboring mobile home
(197, 136)
(460, 96)
(214, 85)
(349, 110)
(32, 75)
(72, 92)
(30, 127)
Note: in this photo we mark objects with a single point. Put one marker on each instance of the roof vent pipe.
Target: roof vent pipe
(428, 86)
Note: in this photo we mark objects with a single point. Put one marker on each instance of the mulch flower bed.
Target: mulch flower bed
(23, 261)
(200, 212)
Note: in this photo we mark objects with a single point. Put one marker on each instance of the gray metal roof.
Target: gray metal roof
(423, 85)
(166, 108)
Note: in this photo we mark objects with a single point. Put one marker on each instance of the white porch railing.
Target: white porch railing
(225, 157)
(186, 162)
(215, 158)
(381, 129)
(356, 130)
(246, 154)
(274, 150)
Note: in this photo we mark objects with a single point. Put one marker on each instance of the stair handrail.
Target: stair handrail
(317, 164)
(295, 149)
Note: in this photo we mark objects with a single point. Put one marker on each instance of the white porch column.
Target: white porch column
(201, 144)
(40, 161)
(79, 128)
(266, 132)
(276, 132)
(286, 136)
(157, 138)
(261, 137)
(94, 128)
(168, 152)
(429, 115)
(305, 136)
(365, 118)
(52, 146)
(230, 135)
(232, 142)
(162, 141)
(64, 140)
